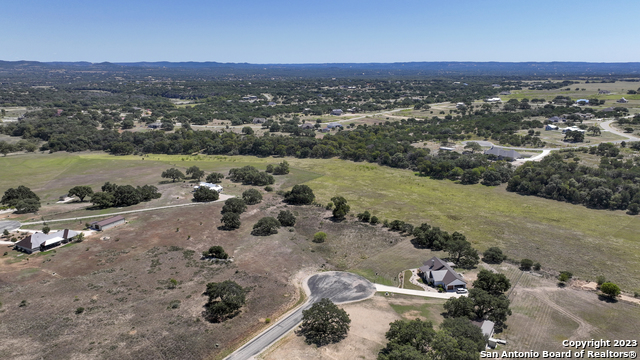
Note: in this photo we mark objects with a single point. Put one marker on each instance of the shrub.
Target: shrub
(252, 197)
(269, 168)
(319, 237)
(493, 255)
(216, 252)
(600, 280)
(537, 266)
(174, 304)
(565, 276)
(268, 188)
(79, 310)
(374, 220)
(46, 229)
(526, 264)
(364, 216)
(5, 232)
(286, 218)
(610, 289)
(329, 206)
(266, 226)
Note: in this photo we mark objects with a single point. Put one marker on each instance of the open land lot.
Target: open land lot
(559, 235)
(131, 311)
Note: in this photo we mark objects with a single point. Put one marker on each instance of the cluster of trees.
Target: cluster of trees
(468, 168)
(456, 245)
(612, 185)
(280, 169)
(486, 301)
(299, 195)
(249, 175)
(22, 199)
(22, 145)
(457, 339)
(123, 195)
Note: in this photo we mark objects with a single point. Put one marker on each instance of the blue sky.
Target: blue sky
(320, 32)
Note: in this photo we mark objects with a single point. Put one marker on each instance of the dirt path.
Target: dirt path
(223, 197)
(584, 328)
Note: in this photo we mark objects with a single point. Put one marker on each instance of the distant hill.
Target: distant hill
(408, 69)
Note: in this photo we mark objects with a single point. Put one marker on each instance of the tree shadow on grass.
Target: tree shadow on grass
(607, 298)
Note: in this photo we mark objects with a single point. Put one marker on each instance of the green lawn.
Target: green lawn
(560, 236)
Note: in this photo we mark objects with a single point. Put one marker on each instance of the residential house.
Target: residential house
(305, 126)
(155, 125)
(609, 109)
(444, 148)
(334, 125)
(336, 112)
(555, 119)
(249, 97)
(585, 116)
(460, 105)
(495, 99)
(505, 93)
(40, 241)
(622, 101)
(107, 223)
(439, 273)
(582, 101)
(503, 154)
(259, 120)
(551, 127)
(604, 92)
(271, 103)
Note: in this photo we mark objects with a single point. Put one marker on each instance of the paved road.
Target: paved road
(9, 225)
(223, 197)
(340, 287)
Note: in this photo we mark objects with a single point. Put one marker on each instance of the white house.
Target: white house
(551, 127)
(211, 186)
(437, 272)
(495, 99)
(39, 241)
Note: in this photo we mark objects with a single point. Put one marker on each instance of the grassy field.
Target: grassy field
(560, 236)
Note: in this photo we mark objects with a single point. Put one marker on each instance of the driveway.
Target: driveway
(339, 287)
(9, 225)
(431, 294)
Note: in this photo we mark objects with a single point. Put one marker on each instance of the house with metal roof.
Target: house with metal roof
(503, 153)
(40, 241)
(107, 223)
(437, 272)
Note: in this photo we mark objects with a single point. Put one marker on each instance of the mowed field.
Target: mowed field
(560, 236)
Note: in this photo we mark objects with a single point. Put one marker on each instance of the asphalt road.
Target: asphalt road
(9, 225)
(340, 287)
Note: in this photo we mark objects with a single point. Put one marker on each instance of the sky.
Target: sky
(329, 31)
